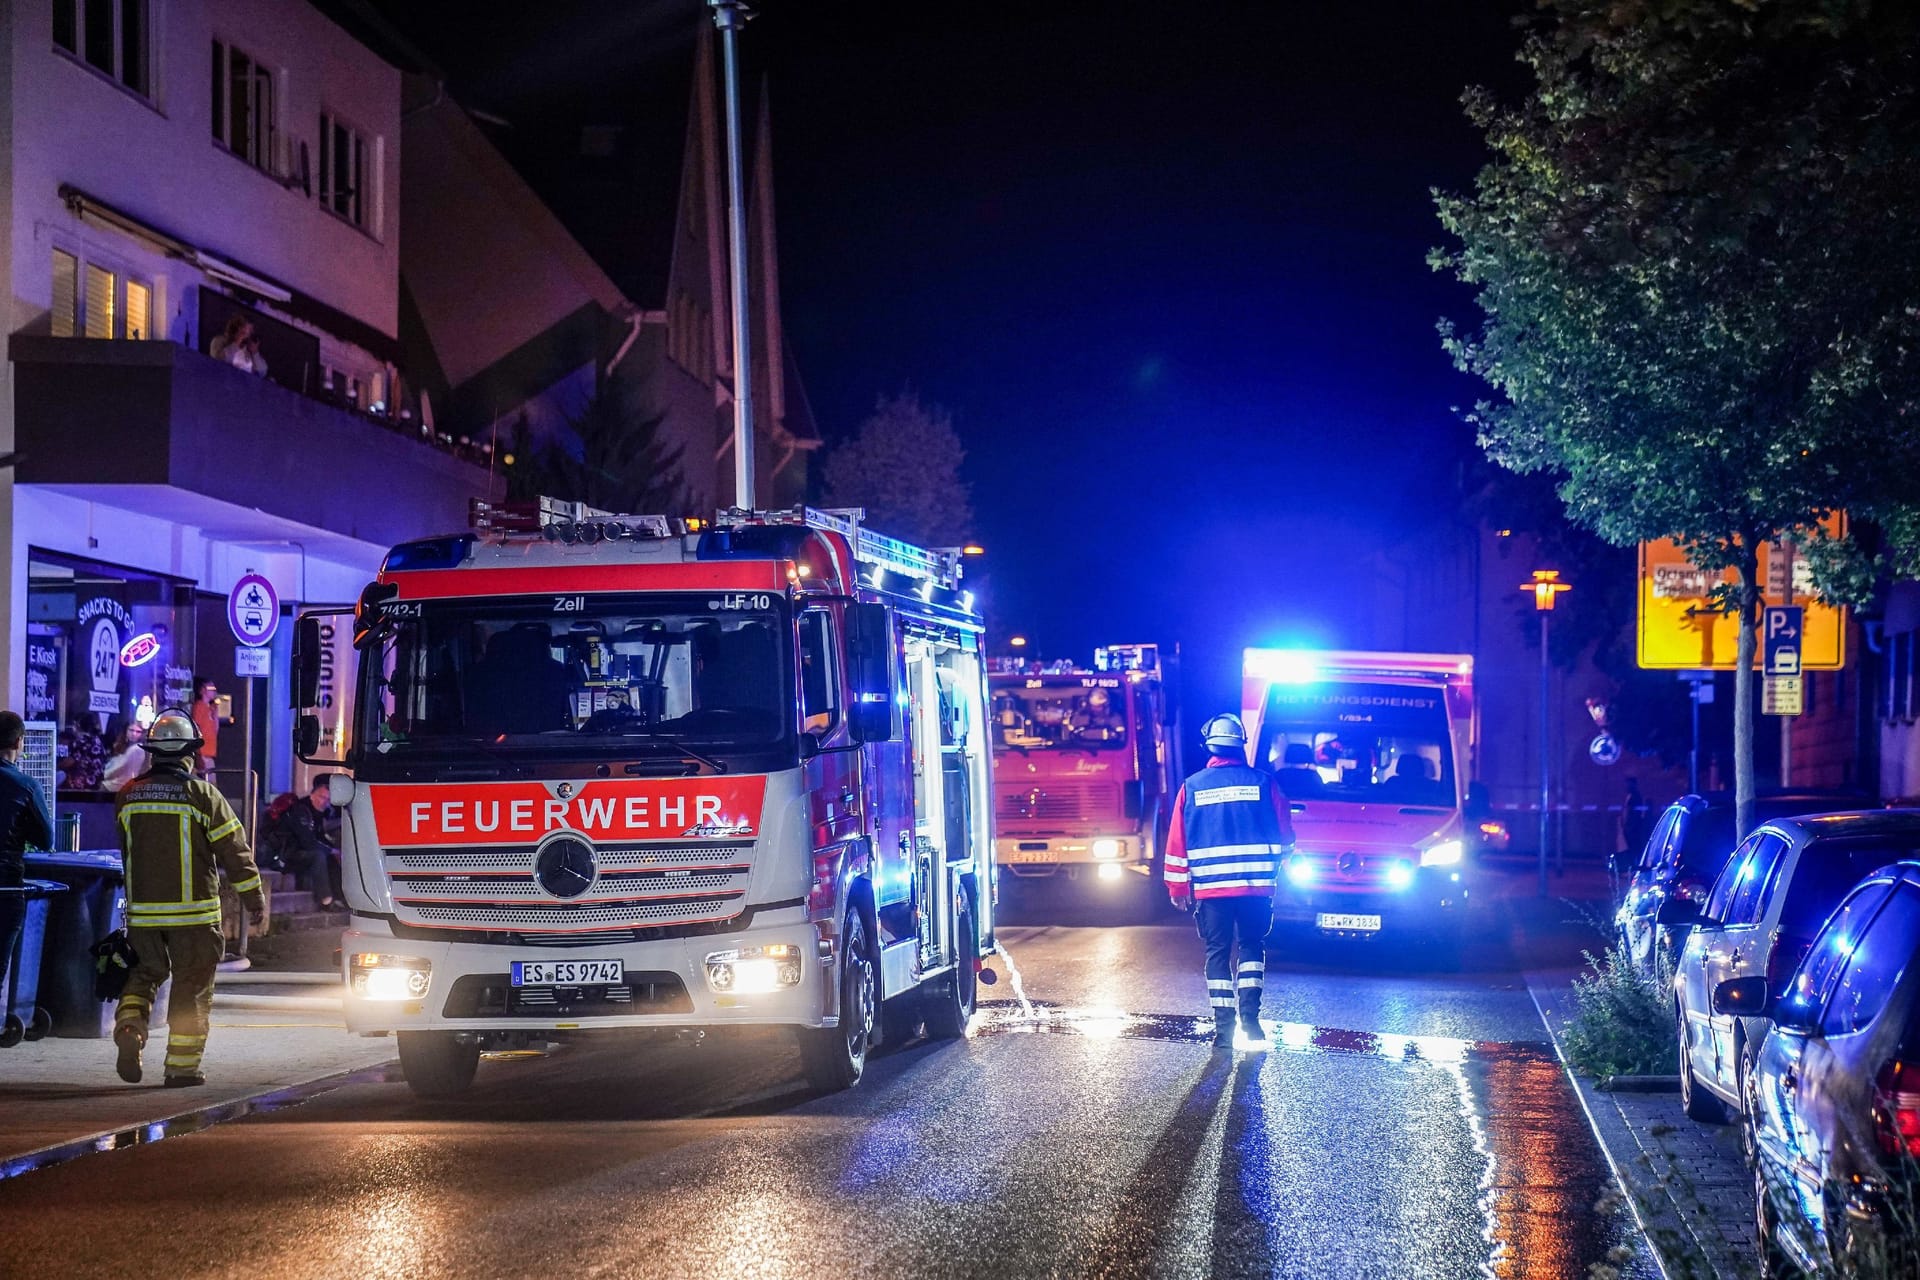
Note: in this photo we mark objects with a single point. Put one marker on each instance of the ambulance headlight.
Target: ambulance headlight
(1106, 848)
(1445, 854)
(375, 976)
(750, 971)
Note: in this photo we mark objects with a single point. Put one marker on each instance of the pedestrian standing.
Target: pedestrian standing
(206, 720)
(24, 821)
(176, 834)
(1231, 829)
(1636, 823)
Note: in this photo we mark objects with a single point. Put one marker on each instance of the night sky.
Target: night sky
(1163, 262)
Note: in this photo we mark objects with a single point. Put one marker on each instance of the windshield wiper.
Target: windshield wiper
(679, 744)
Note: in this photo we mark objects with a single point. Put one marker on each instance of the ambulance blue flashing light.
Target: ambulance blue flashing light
(1283, 666)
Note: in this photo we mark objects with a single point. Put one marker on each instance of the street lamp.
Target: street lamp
(973, 549)
(1546, 587)
(1018, 642)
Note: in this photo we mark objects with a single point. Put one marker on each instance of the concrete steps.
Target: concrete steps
(293, 910)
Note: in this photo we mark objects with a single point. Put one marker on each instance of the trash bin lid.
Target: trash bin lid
(105, 860)
(32, 889)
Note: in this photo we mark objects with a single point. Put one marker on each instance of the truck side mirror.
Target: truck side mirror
(306, 736)
(871, 715)
(307, 643)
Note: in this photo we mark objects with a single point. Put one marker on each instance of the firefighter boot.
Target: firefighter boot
(1252, 979)
(1223, 1026)
(128, 1039)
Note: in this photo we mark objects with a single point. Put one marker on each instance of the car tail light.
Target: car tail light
(824, 893)
(1896, 1108)
(1789, 949)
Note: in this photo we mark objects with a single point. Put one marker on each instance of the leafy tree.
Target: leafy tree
(606, 455)
(903, 466)
(1697, 258)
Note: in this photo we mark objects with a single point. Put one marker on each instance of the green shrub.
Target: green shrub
(1624, 1026)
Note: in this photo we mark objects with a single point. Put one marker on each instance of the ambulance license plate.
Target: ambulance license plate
(568, 973)
(1358, 924)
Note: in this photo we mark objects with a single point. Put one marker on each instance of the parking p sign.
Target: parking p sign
(253, 610)
(1780, 630)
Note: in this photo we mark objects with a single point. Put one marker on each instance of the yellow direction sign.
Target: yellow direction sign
(1782, 696)
(1680, 631)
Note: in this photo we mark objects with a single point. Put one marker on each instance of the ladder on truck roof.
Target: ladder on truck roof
(940, 567)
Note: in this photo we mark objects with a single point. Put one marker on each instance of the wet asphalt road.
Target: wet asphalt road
(1401, 1123)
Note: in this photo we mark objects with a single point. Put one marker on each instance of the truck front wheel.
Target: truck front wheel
(836, 1057)
(438, 1064)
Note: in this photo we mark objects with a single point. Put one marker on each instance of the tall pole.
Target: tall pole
(1546, 752)
(729, 16)
(1693, 750)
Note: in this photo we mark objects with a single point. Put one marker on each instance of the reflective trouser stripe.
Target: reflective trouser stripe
(1252, 973)
(1221, 1002)
(183, 1052)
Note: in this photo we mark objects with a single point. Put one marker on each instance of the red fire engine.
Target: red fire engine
(1087, 763)
(623, 771)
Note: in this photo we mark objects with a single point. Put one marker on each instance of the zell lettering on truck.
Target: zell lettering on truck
(1085, 765)
(611, 772)
(1374, 752)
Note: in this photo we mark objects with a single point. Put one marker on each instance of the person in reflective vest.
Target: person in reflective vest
(1231, 831)
(177, 833)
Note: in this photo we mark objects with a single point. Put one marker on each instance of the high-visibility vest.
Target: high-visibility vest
(176, 833)
(1232, 830)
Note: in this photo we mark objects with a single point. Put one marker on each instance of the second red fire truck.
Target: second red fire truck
(622, 771)
(1086, 764)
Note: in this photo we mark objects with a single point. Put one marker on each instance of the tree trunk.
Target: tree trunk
(1749, 597)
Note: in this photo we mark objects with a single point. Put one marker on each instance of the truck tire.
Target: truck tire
(836, 1057)
(950, 1005)
(437, 1064)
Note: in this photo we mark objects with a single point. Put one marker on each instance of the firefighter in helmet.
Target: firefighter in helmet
(1231, 831)
(176, 833)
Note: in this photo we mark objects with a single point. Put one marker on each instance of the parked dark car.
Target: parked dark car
(1760, 920)
(1834, 1095)
(1685, 853)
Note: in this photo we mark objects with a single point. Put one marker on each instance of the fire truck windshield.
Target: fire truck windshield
(1087, 712)
(1378, 742)
(580, 675)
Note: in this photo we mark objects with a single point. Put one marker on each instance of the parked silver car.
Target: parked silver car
(1773, 896)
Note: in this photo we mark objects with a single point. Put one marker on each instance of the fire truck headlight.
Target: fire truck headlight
(750, 971)
(1399, 875)
(1106, 848)
(382, 977)
(1112, 871)
(1445, 854)
(1299, 871)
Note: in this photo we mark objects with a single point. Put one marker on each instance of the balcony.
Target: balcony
(93, 412)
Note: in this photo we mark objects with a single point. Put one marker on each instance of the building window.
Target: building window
(244, 120)
(108, 35)
(107, 647)
(66, 294)
(89, 300)
(343, 169)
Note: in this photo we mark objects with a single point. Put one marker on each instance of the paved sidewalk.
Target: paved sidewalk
(56, 1091)
(1690, 1184)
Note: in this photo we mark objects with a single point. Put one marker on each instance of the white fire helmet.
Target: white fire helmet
(173, 733)
(1225, 731)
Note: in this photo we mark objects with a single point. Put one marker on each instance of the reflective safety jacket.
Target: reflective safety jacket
(176, 833)
(1231, 828)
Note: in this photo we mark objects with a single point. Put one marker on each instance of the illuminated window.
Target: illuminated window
(66, 294)
(108, 35)
(344, 168)
(99, 302)
(139, 307)
(244, 119)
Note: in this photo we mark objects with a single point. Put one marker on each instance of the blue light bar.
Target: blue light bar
(429, 553)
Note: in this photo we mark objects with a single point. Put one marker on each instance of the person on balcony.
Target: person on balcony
(231, 344)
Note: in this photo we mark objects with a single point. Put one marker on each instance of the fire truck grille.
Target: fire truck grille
(640, 886)
(1057, 802)
(616, 886)
(563, 917)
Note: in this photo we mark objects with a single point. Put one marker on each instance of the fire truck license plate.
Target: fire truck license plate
(1365, 924)
(568, 973)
